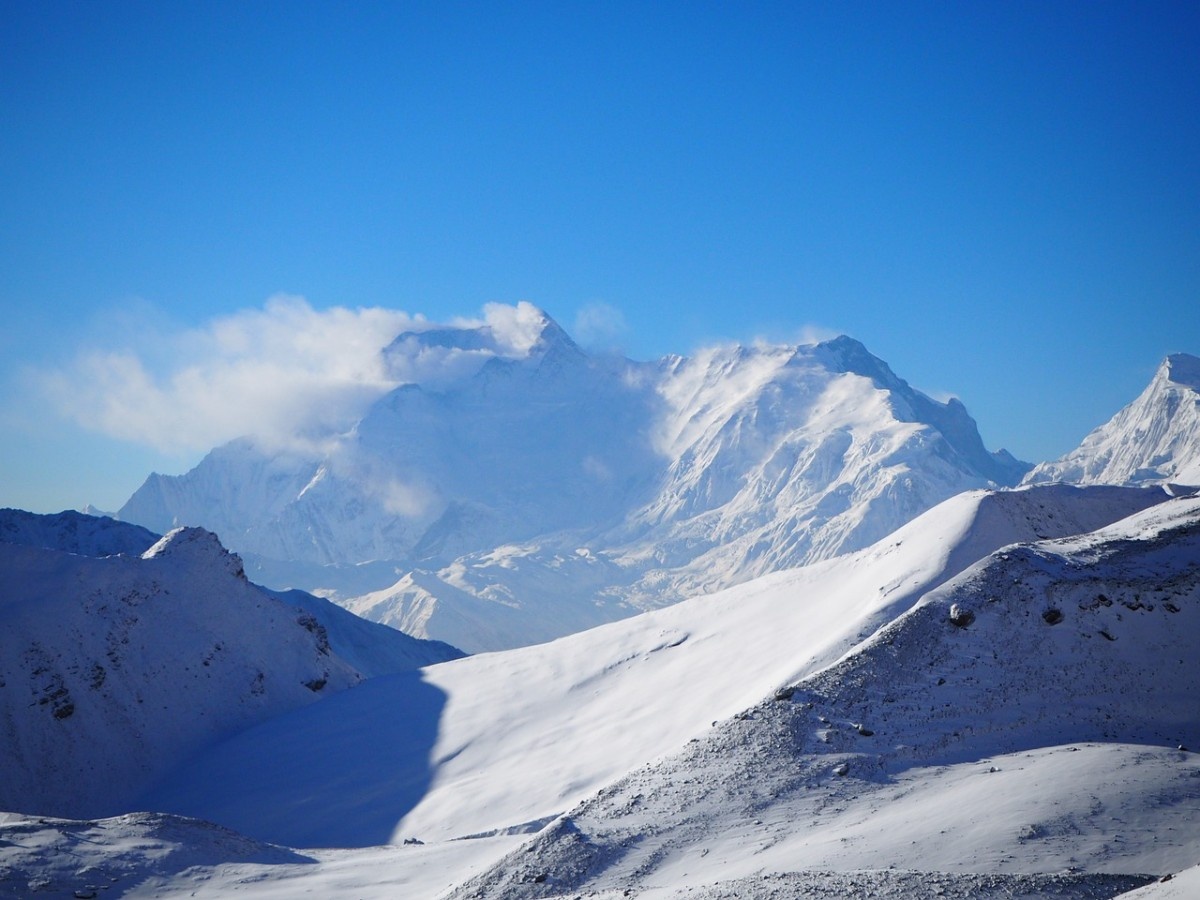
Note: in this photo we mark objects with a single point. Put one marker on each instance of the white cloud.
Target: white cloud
(516, 328)
(942, 396)
(815, 334)
(285, 374)
(408, 500)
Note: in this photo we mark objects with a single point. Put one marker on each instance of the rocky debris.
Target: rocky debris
(907, 885)
(960, 616)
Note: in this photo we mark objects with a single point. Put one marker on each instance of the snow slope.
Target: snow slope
(1006, 753)
(511, 495)
(1154, 440)
(506, 741)
(1023, 717)
(112, 669)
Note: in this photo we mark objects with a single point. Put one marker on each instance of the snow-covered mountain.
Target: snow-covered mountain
(517, 492)
(1030, 715)
(122, 652)
(1153, 440)
(590, 707)
(945, 713)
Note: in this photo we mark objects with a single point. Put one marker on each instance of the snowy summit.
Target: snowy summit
(1154, 440)
(514, 488)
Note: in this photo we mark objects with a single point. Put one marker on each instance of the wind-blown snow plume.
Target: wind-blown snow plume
(600, 326)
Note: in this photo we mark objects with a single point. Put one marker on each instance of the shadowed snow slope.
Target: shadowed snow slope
(513, 494)
(1022, 717)
(1155, 439)
(114, 668)
(526, 733)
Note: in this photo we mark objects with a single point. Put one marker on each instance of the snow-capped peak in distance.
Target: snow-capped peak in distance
(950, 418)
(1153, 440)
(440, 356)
(514, 488)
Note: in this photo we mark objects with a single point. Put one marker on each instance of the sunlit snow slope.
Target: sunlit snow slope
(1030, 715)
(507, 740)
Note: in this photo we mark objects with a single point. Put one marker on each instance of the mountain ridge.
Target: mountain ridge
(683, 475)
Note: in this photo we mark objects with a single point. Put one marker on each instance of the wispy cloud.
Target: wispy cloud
(815, 334)
(599, 325)
(285, 374)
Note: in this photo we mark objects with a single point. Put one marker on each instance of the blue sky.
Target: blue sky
(1002, 200)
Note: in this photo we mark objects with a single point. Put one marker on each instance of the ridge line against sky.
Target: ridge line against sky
(1001, 201)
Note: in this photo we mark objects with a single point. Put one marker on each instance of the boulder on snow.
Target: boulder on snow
(961, 616)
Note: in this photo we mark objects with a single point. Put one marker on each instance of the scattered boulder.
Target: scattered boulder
(960, 616)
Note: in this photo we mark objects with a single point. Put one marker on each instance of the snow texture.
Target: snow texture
(1018, 743)
(588, 708)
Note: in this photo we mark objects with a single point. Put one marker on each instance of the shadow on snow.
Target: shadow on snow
(342, 772)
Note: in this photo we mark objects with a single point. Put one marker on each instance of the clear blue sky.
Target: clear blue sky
(1002, 200)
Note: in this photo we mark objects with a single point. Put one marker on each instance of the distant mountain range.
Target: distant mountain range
(515, 496)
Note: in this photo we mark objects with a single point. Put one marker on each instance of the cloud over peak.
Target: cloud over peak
(285, 374)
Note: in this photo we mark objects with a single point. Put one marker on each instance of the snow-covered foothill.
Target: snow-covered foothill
(112, 669)
(509, 492)
(1049, 730)
(975, 745)
(122, 856)
(369, 647)
(1153, 440)
(1184, 885)
(506, 741)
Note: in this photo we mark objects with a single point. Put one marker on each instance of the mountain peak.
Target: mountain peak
(552, 335)
(196, 545)
(845, 354)
(1153, 440)
(1182, 369)
(508, 332)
